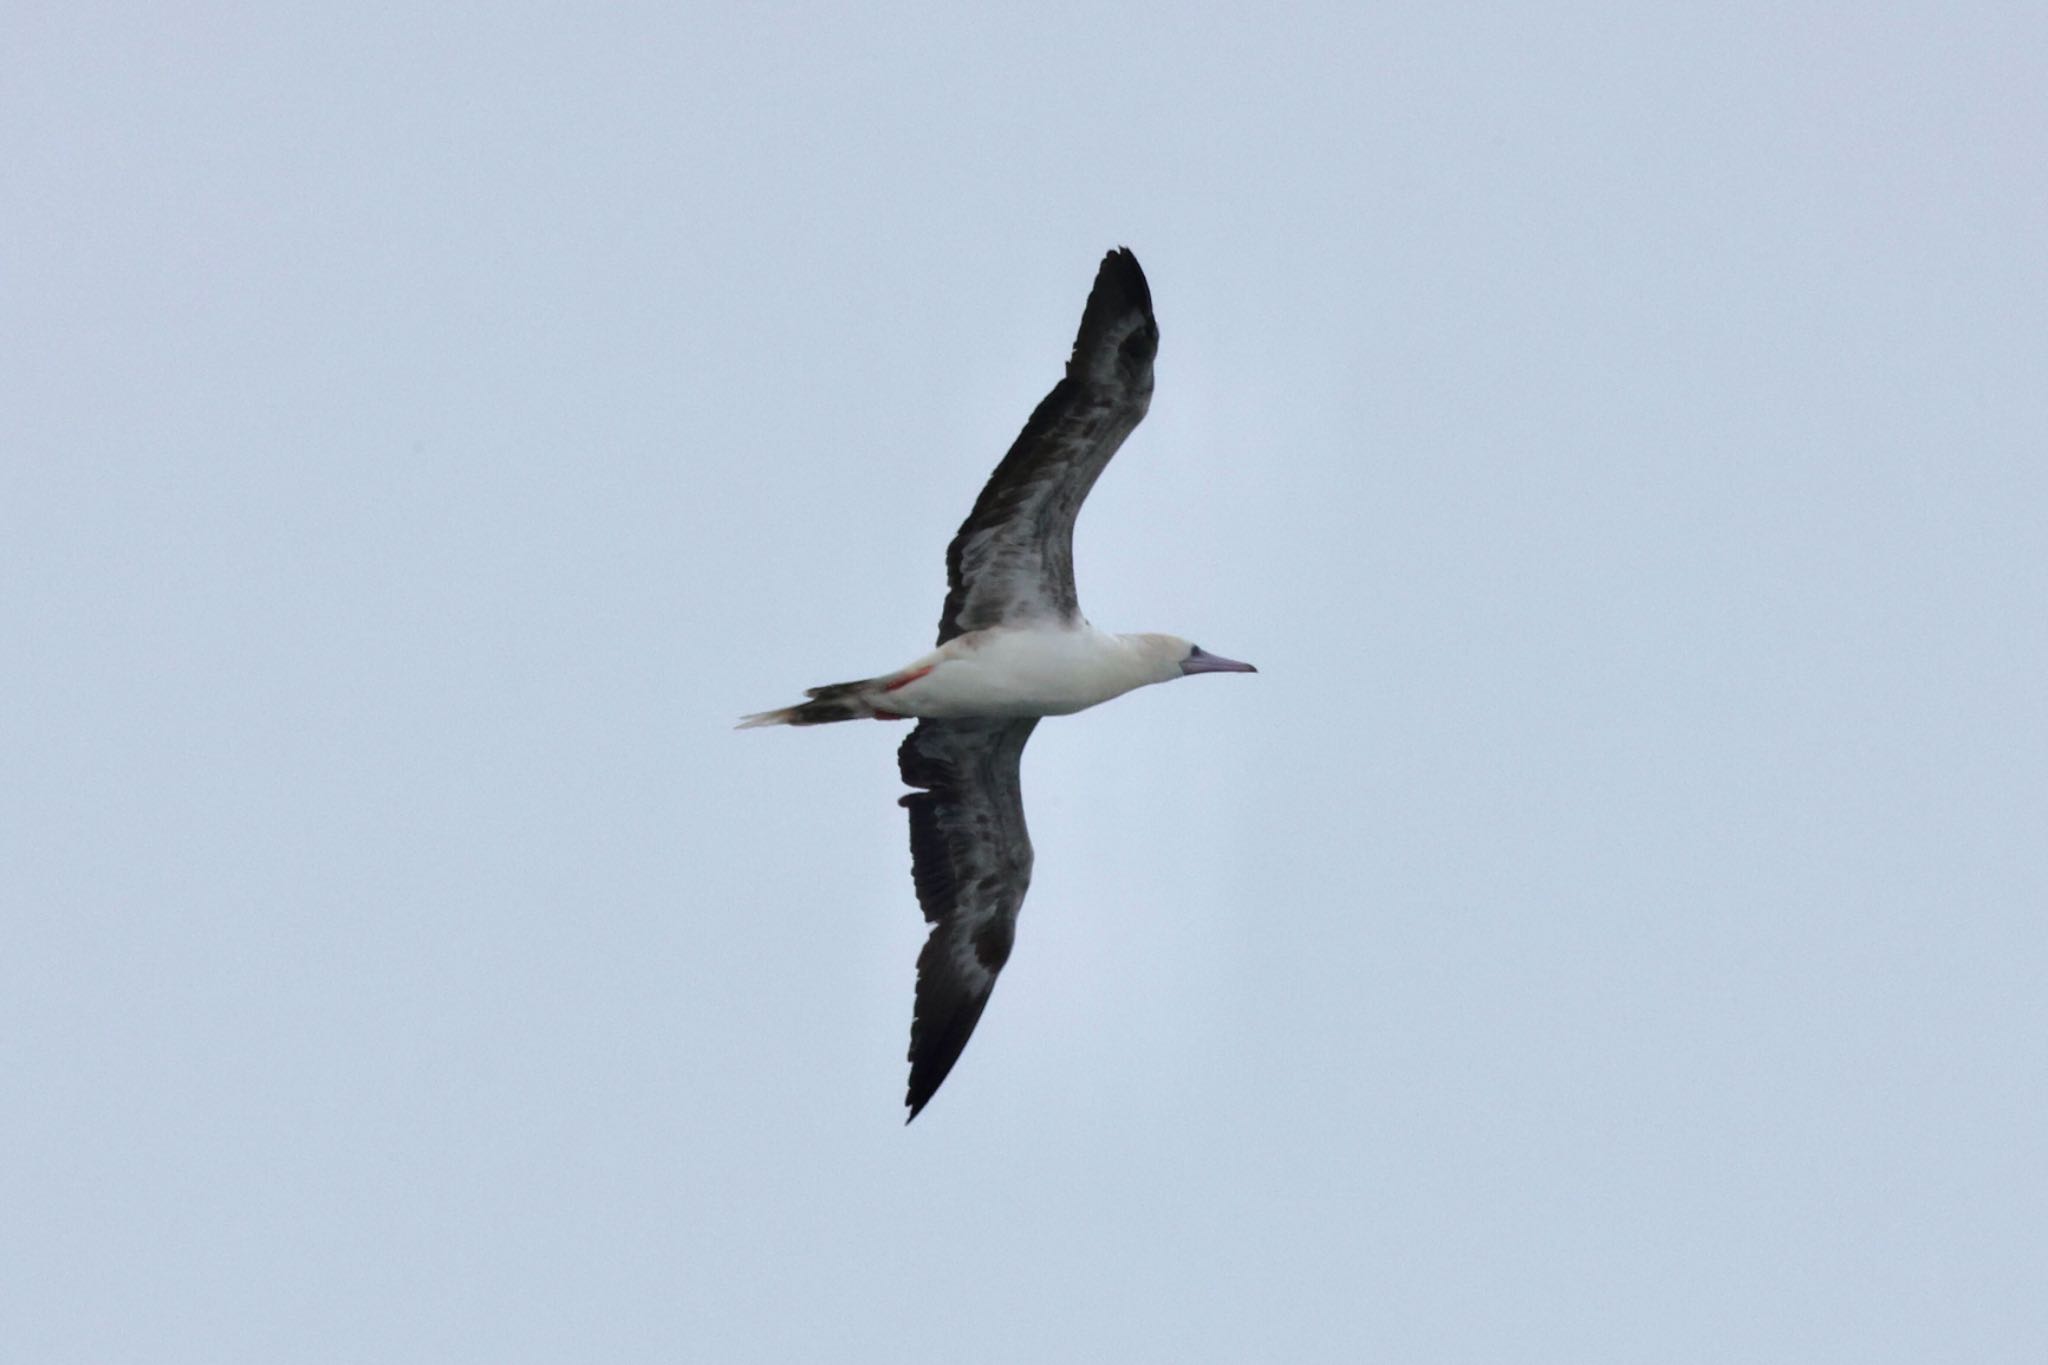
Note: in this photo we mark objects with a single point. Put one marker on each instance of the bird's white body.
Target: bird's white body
(1019, 671)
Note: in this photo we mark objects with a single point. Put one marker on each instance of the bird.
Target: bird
(1013, 648)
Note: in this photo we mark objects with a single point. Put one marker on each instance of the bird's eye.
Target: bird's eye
(1194, 651)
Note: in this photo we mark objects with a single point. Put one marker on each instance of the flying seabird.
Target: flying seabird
(1013, 647)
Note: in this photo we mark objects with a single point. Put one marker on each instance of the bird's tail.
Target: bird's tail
(835, 701)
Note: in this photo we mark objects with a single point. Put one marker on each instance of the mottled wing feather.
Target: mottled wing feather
(1013, 558)
(971, 859)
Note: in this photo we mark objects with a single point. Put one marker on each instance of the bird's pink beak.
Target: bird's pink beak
(1200, 660)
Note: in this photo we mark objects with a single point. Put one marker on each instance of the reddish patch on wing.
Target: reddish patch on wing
(908, 678)
(889, 715)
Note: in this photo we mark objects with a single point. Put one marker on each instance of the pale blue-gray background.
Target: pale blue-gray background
(1611, 927)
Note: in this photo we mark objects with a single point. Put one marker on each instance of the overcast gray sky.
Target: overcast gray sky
(1610, 927)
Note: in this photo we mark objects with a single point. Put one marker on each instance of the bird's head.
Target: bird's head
(1172, 657)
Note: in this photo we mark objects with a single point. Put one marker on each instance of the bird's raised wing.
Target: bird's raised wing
(1013, 559)
(971, 859)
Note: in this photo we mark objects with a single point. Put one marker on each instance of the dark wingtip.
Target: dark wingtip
(933, 1052)
(919, 1094)
(1120, 292)
(939, 1027)
(1120, 282)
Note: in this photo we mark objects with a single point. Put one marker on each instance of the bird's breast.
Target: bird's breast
(1017, 673)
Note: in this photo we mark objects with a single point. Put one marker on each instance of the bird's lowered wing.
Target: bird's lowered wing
(1013, 559)
(971, 859)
